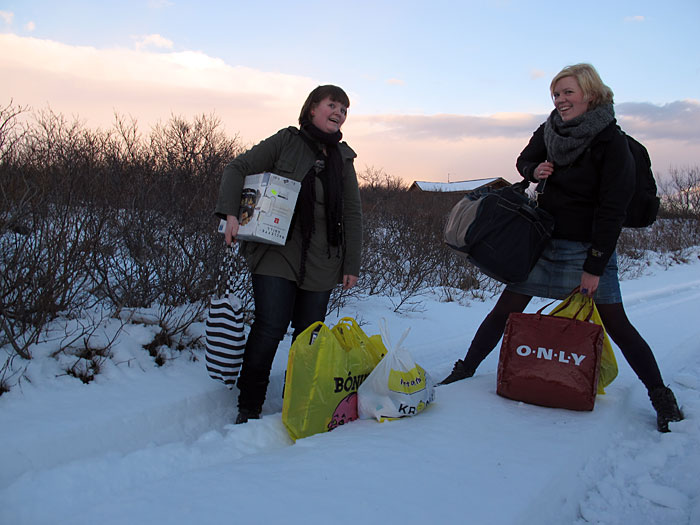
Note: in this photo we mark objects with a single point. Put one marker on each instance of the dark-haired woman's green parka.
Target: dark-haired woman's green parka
(288, 155)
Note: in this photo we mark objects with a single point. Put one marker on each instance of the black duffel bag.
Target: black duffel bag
(502, 232)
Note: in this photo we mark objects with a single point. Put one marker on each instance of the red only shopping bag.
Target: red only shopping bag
(550, 361)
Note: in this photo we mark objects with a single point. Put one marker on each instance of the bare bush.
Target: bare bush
(665, 235)
(106, 217)
(121, 222)
(45, 272)
(378, 180)
(189, 160)
(85, 343)
(404, 255)
(681, 192)
(11, 130)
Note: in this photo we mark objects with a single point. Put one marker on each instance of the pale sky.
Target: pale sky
(437, 88)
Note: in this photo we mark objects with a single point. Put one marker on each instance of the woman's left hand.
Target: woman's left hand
(589, 283)
(349, 281)
(543, 170)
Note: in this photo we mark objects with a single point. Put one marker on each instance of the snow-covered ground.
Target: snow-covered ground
(145, 445)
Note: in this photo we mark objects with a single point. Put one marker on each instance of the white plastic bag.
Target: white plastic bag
(397, 387)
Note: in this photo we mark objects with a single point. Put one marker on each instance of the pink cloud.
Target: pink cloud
(95, 83)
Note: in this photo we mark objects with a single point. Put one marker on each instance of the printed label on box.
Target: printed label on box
(267, 206)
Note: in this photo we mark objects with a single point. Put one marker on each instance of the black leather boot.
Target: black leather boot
(244, 416)
(251, 398)
(664, 402)
(459, 371)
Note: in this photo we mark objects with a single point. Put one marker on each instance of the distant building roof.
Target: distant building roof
(459, 187)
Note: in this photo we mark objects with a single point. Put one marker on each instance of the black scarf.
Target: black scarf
(566, 140)
(329, 168)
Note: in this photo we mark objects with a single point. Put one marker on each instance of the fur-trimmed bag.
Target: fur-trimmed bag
(225, 338)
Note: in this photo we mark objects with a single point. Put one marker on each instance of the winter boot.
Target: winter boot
(664, 402)
(251, 397)
(459, 371)
(244, 416)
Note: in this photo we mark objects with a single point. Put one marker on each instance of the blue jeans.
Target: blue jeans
(278, 302)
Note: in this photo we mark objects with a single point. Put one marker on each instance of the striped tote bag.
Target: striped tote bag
(225, 338)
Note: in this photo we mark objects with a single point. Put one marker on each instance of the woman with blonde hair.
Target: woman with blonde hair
(588, 199)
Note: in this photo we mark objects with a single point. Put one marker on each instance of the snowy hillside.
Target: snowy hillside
(145, 445)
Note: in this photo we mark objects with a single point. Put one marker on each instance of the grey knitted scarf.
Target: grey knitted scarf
(565, 141)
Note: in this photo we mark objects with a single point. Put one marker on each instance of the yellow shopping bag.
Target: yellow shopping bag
(351, 336)
(572, 308)
(320, 391)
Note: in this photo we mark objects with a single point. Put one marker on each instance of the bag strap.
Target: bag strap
(384, 331)
(566, 302)
(539, 312)
(588, 302)
(226, 269)
(560, 306)
(539, 190)
(524, 184)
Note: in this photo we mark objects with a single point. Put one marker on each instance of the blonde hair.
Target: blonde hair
(594, 91)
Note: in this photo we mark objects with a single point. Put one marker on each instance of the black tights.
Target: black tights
(624, 335)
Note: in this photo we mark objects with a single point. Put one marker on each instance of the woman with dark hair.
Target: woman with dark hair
(589, 171)
(293, 283)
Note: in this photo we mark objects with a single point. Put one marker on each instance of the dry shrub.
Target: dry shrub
(119, 220)
(109, 218)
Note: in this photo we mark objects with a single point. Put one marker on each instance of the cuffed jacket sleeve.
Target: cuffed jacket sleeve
(589, 197)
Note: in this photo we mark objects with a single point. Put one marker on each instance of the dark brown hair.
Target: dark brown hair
(317, 95)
